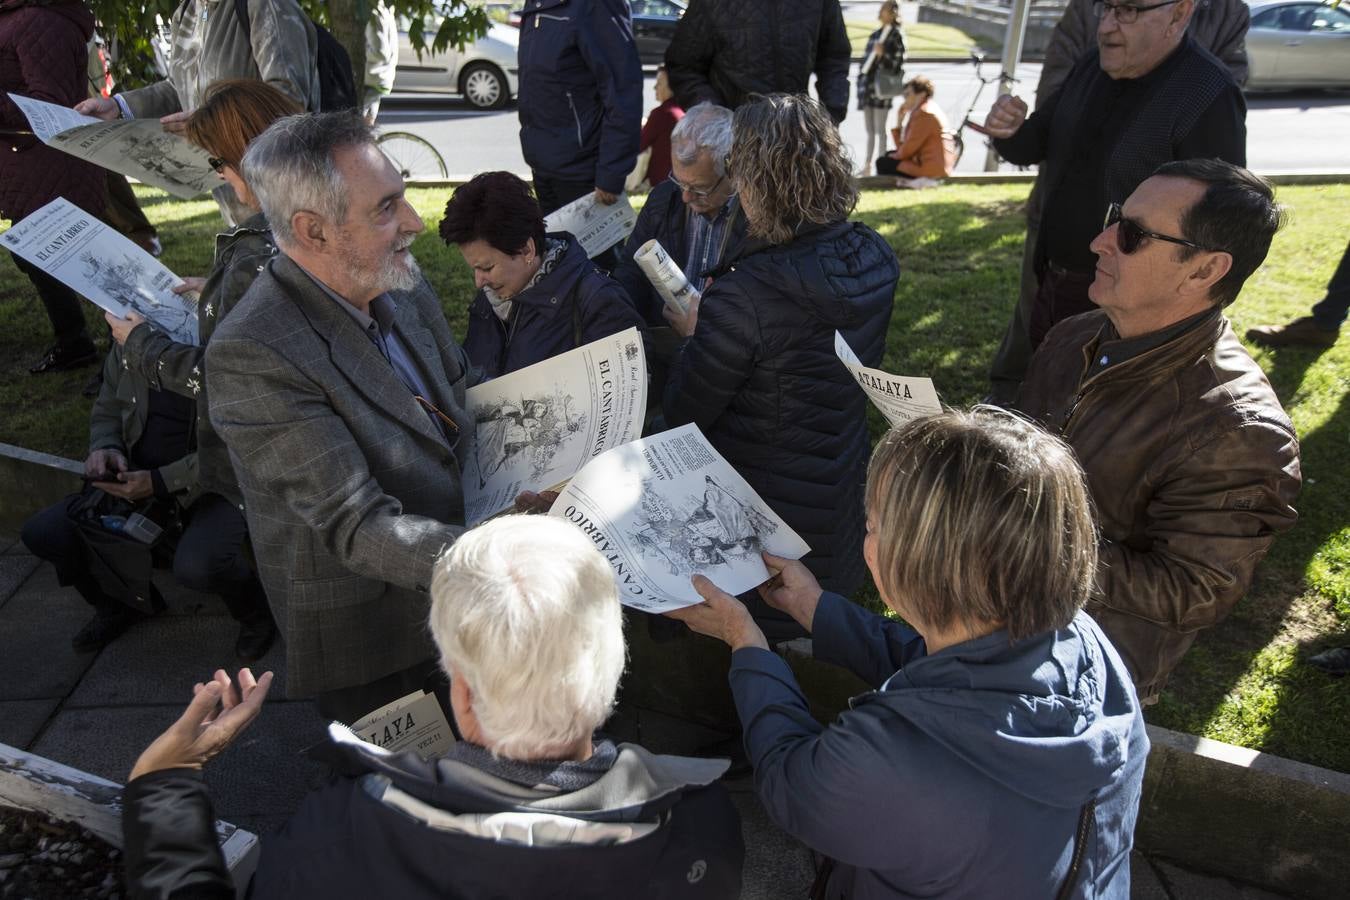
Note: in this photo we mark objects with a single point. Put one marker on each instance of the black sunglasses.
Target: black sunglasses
(1129, 235)
(217, 164)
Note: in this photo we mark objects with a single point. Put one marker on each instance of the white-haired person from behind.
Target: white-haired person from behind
(530, 803)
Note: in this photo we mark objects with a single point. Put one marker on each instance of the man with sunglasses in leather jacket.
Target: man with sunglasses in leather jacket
(1191, 461)
(1146, 94)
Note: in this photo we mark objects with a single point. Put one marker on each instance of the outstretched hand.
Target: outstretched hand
(721, 616)
(218, 713)
(792, 589)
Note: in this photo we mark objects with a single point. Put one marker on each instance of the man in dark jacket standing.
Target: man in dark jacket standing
(1190, 459)
(724, 52)
(1147, 94)
(580, 100)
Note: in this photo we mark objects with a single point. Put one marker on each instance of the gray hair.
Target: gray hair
(290, 167)
(705, 127)
(526, 609)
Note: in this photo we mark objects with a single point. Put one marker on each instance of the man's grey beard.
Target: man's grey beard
(400, 278)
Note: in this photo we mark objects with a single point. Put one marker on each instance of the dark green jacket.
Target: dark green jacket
(167, 365)
(118, 421)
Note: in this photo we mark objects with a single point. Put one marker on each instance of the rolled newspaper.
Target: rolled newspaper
(665, 276)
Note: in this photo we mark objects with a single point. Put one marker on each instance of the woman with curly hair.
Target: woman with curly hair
(757, 371)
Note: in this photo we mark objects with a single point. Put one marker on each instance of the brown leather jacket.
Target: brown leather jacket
(1192, 465)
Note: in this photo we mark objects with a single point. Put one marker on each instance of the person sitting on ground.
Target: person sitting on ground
(1192, 463)
(531, 803)
(924, 151)
(695, 215)
(656, 130)
(141, 448)
(1001, 751)
(538, 295)
(758, 372)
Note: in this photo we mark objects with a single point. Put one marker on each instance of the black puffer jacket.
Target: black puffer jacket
(723, 52)
(760, 377)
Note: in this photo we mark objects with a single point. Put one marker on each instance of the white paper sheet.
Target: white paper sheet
(140, 148)
(536, 427)
(96, 261)
(900, 398)
(596, 227)
(415, 722)
(666, 507)
(668, 278)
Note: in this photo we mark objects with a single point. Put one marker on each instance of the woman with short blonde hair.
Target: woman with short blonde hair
(1001, 752)
(758, 373)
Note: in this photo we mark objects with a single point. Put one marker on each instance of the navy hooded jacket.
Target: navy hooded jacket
(580, 98)
(964, 774)
(761, 379)
(572, 300)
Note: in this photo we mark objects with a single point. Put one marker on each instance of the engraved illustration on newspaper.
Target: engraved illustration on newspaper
(536, 427)
(105, 267)
(667, 277)
(140, 148)
(668, 506)
(596, 227)
(900, 398)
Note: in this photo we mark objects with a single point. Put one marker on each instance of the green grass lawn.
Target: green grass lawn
(959, 246)
(923, 39)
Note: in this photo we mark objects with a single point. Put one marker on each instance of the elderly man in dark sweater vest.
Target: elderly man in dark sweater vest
(1145, 95)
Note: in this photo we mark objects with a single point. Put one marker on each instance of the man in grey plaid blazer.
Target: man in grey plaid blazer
(339, 390)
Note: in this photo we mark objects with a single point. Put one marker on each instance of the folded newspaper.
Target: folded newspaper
(415, 722)
(596, 227)
(668, 279)
(901, 399)
(92, 259)
(664, 508)
(140, 148)
(537, 426)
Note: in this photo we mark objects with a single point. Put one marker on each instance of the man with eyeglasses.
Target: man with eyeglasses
(1146, 94)
(695, 215)
(1189, 456)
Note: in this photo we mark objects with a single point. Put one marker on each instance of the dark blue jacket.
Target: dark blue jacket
(580, 91)
(965, 773)
(573, 299)
(665, 218)
(761, 379)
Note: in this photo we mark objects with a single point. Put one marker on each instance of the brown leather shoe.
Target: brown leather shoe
(1302, 332)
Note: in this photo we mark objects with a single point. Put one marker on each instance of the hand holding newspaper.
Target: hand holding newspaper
(596, 227)
(664, 508)
(97, 262)
(900, 398)
(670, 282)
(140, 148)
(536, 427)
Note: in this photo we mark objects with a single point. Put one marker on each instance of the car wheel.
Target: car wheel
(484, 86)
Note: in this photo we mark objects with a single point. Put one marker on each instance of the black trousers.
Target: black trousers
(348, 704)
(554, 194)
(63, 306)
(211, 555)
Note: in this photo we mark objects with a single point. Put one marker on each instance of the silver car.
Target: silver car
(485, 72)
(1299, 45)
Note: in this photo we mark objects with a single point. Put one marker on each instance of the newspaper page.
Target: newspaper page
(596, 227)
(901, 399)
(415, 722)
(140, 148)
(667, 507)
(668, 279)
(536, 427)
(94, 260)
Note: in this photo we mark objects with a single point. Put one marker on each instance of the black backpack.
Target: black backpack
(337, 89)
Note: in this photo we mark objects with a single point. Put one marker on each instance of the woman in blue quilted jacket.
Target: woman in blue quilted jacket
(757, 371)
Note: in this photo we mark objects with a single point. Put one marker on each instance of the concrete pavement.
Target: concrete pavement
(96, 711)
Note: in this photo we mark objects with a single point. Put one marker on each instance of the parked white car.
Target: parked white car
(484, 73)
(1301, 44)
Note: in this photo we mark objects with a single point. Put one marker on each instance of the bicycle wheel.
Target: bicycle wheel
(414, 157)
